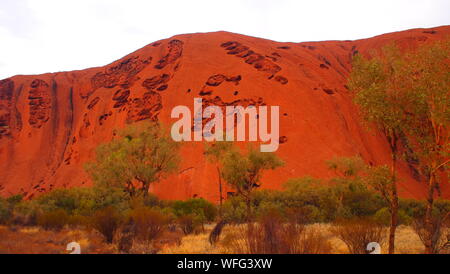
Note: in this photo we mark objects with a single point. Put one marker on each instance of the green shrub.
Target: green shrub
(82, 200)
(266, 206)
(416, 208)
(317, 201)
(413, 208)
(14, 199)
(312, 214)
(65, 199)
(199, 207)
(442, 207)
(234, 210)
(308, 191)
(7, 206)
(383, 216)
(25, 213)
(53, 220)
(360, 201)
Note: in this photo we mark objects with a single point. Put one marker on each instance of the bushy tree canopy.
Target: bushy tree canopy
(142, 154)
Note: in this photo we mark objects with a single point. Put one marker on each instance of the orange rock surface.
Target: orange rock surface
(50, 124)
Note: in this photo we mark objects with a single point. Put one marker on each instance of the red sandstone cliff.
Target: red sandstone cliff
(50, 124)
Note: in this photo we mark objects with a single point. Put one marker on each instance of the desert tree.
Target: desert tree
(427, 78)
(377, 84)
(214, 153)
(243, 171)
(377, 178)
(407, 95)
(347, 167)
(348, 171)
(142, 154)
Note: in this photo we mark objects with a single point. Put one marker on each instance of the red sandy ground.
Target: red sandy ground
(50, 124)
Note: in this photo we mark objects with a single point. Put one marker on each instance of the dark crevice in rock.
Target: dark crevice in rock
(258, 61)
(40, 103)
(174, 51)
(121, 73)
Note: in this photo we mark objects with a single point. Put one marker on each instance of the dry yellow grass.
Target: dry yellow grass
(194, 244)
(199, 243)
(407, 242)
(34, 240)
(339, 246)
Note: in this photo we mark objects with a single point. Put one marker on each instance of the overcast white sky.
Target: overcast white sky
(38, 36)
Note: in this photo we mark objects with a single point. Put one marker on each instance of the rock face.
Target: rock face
(50, 124)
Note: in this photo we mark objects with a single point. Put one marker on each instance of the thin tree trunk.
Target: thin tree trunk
(428, 216)
(220, 192)
(146, 187)
(249, 209)
(394, 198)
(394, 224)
(129, 188)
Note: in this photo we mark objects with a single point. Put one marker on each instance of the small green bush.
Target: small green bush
(82, 200)
(383, 216)
(7, 206)
(310, 192)
(442, 206)
(412, 208)
(198, 206)
(25, 213)
(14, 199)
(360, 201)
(317, 201)
(234, 210)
